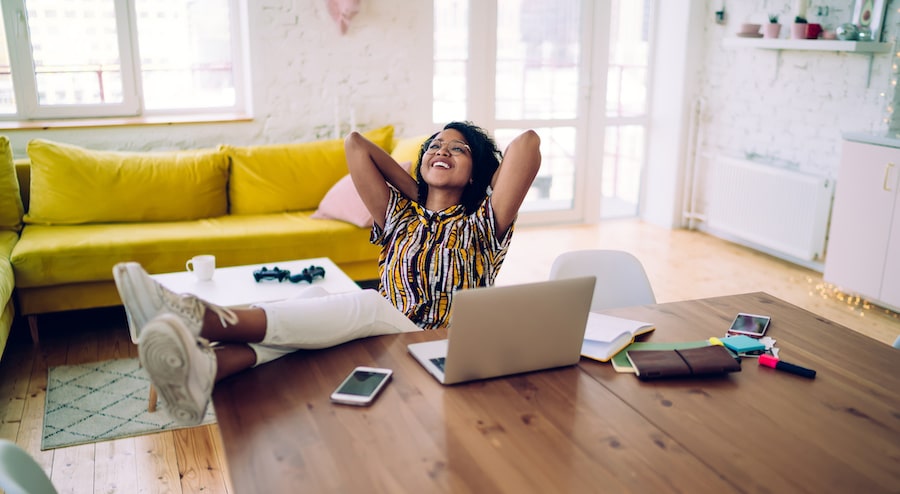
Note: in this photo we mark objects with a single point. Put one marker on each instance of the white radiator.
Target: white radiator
(771, 207)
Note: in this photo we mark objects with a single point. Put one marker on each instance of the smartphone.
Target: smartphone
(361, 386)
(753, 325)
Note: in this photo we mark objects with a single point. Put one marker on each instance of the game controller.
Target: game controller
(308, 274)
(276, 273)
(271, 274)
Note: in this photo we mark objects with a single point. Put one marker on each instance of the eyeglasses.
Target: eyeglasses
(456, 148)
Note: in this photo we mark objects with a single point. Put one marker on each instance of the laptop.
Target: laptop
(502, 330)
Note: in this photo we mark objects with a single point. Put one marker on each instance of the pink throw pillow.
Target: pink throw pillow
(343, 203)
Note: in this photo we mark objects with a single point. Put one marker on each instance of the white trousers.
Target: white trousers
(316, 319)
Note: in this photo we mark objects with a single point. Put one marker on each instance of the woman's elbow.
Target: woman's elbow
(529, 141)
(352, 140)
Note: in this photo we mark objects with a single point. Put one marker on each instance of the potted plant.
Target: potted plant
(798, 28)
(773, 28)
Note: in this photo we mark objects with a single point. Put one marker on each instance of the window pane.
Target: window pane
(628, 57)
(537, 59)
(185, 51)
(622, 163)
(554, 186)
(7, 96)
(451, 53)
(67, 72)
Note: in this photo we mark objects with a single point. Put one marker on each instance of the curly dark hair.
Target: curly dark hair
(485, 162)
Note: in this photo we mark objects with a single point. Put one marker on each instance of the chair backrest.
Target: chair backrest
(621, 279)
(20, 473)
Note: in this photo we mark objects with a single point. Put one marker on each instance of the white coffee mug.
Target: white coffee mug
(203, 266)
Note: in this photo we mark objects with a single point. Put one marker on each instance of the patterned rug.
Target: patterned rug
(101, 401)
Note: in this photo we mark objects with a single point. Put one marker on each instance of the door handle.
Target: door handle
(887, 176)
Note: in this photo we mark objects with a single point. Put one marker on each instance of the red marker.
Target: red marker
(770, 361)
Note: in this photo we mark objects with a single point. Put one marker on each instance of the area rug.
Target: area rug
(102, 401)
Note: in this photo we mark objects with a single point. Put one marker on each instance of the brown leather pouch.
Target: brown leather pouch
(704, 361)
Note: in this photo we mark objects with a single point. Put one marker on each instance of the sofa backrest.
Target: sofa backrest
(11, 208)
(275, 178)
(260, 179)
(74, 185)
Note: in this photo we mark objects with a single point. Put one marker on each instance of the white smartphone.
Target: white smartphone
(361, 386)
(753, 325)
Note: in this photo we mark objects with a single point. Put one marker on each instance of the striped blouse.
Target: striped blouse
(426, 256)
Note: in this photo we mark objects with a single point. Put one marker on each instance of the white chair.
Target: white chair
(20, 473)
(621, 279)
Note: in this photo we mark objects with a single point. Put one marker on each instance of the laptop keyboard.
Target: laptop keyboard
(439, 362)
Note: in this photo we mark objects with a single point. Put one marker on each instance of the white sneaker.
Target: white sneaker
(144, 299)
(181, 366)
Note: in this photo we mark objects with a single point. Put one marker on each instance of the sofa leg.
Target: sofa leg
(151, 405)
(33, 327)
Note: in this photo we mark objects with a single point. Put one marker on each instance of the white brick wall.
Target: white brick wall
(791, 107)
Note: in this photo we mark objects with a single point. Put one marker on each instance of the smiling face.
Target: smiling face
(447, 162)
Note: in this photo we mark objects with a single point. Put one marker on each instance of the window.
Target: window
(101, 58)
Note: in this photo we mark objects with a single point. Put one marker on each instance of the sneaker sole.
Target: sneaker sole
(164, 354)
(125, 276)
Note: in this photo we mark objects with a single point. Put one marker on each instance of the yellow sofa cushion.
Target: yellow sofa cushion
(407, 150)
(276, 178)
(11, 209)
(74, 185)
(7, 281)
(60, 254)
(7, 310)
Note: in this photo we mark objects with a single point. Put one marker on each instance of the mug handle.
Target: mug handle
(189, 265)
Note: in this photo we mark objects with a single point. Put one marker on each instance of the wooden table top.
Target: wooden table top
(583, 428)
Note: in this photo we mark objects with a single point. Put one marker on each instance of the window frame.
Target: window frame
(25, 83)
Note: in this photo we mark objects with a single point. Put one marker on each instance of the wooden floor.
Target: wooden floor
(681, 265)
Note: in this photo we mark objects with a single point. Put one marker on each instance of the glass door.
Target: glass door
(626, 121)
(511, 65)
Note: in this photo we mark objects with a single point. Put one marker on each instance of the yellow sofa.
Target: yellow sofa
(11, 210)
(84, 211)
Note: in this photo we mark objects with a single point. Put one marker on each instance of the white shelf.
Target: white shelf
(868, 47)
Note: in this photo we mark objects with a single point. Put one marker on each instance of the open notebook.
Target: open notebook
(607, 335)
(502, 330)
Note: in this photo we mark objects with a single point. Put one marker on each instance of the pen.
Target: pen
(770, 361)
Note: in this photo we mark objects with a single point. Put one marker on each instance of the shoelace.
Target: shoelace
(226, 316)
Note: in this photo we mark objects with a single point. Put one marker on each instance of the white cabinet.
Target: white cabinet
(863, 255)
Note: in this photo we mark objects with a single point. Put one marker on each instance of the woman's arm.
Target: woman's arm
(520, 165)
(371, 168)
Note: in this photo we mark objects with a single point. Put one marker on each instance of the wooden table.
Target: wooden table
(584, 428)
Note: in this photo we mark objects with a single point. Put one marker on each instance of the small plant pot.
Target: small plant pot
(813, 31)
(798, 31)
(771, 30)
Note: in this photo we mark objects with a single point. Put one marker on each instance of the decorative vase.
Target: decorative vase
(847, 32)
(771, 30)
(798, 31)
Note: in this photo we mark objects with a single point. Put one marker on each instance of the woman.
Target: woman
(447, 230)
(443, 232)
